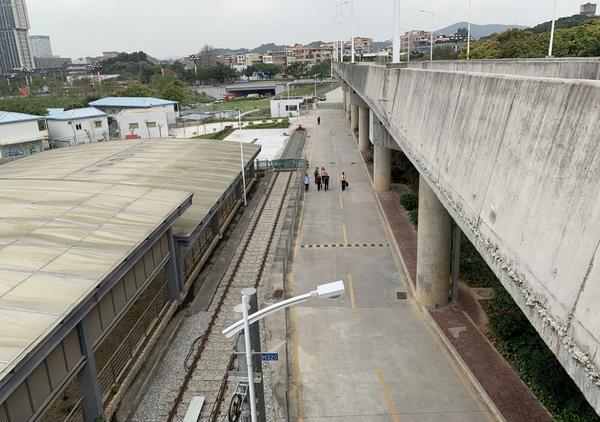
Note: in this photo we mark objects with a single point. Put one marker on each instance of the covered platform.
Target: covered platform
(83, 232)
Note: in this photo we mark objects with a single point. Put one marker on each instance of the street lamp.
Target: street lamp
(469, 31)
(240, 114)
(341, 15)
(330, 290)
(551, 46)
(352, 27)
(195, 58)
(430, 12)
(396, 41)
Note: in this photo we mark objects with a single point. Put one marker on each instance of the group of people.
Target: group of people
(321, 178)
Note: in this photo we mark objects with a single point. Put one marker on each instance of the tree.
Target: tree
(462, 32)
(322, 70)
(444, 53)
(297, 69)
(513, 43)
(265, 70)
(175, 91)
(207, 57)
(136, 90)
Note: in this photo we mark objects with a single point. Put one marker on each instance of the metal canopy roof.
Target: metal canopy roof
(77, 113)
(59, 241)
(10, 117)
(132, 102)
(205, 167)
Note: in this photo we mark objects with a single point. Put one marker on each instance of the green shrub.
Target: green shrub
(473, 268)
(410, 201)
(520, 344)
(413, 216)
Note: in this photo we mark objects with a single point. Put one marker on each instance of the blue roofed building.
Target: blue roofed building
(138, 117)
(21, 135)
(77, 126)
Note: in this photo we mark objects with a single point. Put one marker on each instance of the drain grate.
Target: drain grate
(401, 295)
(278, 294)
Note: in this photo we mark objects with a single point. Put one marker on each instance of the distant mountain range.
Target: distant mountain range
(477, 31)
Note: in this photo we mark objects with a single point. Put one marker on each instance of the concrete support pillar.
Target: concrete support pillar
(363, 129)
(382, 171)
(354, 117)
(434, 250)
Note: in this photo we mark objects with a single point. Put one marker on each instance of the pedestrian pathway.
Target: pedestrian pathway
(371, 355)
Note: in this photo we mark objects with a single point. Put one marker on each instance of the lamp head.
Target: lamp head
(330, 290)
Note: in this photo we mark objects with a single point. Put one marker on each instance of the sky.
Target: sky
(175, 28)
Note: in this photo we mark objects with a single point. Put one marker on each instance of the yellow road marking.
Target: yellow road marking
(387, 395)
(352, 299)
(345, 234)
(341, 202)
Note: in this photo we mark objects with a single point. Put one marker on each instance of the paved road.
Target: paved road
(368, 356)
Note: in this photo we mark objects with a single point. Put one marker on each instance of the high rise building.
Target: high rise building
(15, 49)
(40, 46)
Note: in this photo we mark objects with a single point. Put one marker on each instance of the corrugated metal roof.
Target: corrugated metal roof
(77, 113)
(10, 117)
(133, 102)
(59, 240)
(206, 168)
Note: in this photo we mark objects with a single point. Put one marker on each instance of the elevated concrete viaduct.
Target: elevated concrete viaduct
(514, 160)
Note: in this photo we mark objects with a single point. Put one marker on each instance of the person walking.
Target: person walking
(306, 182)
(325, 177)
(318, 182)
(319, 120)
(317, 174)
(343, 181)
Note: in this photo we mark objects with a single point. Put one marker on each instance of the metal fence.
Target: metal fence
(116, 368)
(296, 203)
(287, 164)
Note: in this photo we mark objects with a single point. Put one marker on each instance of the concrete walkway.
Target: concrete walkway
(369, 356)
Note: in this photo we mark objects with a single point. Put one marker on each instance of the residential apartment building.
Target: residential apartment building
(310, 53)
(41, 46)
(412, 39)
(21, 135)
(363, 45)
(15, 47)
(283, 58)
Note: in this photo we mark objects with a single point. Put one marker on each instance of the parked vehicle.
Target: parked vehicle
(322, 97)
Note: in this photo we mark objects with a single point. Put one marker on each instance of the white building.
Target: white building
(78, 126)
(141, 123)
(142, 117)
(21, 134)
(286, 107)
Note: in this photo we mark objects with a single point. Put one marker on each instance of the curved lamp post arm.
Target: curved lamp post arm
(326, 290)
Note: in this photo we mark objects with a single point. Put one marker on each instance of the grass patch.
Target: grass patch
(284, 124)
(217, 136)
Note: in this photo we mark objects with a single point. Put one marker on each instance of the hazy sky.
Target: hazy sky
(165, 28)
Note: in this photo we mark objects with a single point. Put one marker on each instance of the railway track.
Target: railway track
(213, 357)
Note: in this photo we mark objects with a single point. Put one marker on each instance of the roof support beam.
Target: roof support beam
(88, 378)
